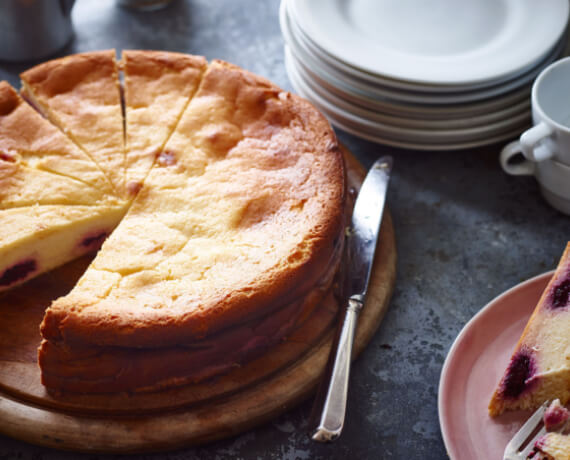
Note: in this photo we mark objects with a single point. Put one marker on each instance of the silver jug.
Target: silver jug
(34, 29)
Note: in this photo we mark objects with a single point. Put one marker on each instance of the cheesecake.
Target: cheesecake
(30, 140)
(43, 237)
(214, 200)
(55, 202)
(539, 369)
(158, 86)
(552, 446)
(234, 236)
(80, 94)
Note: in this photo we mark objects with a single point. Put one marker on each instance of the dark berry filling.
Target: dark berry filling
(561, 294)
(18, 272)
(94, 241)
(4, 156)
(518, 373)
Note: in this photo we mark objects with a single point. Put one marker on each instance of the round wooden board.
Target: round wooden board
(193, 414)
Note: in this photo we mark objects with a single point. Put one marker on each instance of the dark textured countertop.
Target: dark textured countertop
(465, 233)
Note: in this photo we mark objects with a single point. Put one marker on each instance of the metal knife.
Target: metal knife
(330, 405)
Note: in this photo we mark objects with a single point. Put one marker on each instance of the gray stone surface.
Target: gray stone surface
(465, 233)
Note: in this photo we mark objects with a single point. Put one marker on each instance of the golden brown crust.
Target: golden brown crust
(68, 74)
(137, 62)
(265, 130)
(117, 369)
(9, 99)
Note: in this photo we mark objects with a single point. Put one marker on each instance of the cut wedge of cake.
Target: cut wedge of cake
(29, 140)
(539, 369)
(553, 446)
(43, 237)
(81, 95)
(234, 236)
(55, 202)
(158, 86)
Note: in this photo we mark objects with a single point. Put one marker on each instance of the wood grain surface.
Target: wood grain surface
(169, 419)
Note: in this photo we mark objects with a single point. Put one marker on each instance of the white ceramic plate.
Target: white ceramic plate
(435, 119)
(383, 89)
(385, 136)
(443, 42)
(452, 122)
(302, 46)
(424, 134)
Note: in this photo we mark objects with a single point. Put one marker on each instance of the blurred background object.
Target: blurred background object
(34, 29)
(144, 5)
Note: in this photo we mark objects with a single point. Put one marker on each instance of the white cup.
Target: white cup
(545, 147)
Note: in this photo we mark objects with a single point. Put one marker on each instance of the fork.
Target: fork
(522, 443)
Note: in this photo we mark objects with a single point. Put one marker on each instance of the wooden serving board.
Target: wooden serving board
(176, 417)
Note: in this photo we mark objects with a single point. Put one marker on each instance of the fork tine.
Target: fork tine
(530, 446)
(526, 430)
(532, 422)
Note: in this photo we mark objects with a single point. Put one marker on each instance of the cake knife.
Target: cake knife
(330, 404)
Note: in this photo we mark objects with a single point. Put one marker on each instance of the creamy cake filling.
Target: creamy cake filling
(33, 249)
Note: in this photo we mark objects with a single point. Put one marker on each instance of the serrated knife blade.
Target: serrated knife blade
(327, 417)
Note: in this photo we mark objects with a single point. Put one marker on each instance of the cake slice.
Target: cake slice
(539, 369)
(158, 86)
(33, 142)
(555, 444)
(242, 218)
(80, 94)
(55, 202)
(35, 239)
(552, 446)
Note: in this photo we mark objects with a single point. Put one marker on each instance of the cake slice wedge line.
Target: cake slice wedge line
(28, 96)
(28, 138)
(21, 186)
(157, 88)
(95, 124)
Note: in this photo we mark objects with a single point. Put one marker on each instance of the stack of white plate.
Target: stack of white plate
(431, 75)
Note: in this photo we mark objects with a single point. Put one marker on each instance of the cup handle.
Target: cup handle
(524, 168)
(529, 143)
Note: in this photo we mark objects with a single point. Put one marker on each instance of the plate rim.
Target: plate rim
(295, 37)
(421, 135)
(449, 74)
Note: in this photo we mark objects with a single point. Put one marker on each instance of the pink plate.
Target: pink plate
(473, 368)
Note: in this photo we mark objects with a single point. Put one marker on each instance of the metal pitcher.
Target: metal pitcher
(34, 29)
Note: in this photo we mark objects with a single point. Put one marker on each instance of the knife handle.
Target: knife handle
(333, 407)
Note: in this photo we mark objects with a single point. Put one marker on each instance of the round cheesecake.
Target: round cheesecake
(233, 233)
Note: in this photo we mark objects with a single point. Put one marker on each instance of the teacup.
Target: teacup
(546, 146)
(550, 99)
